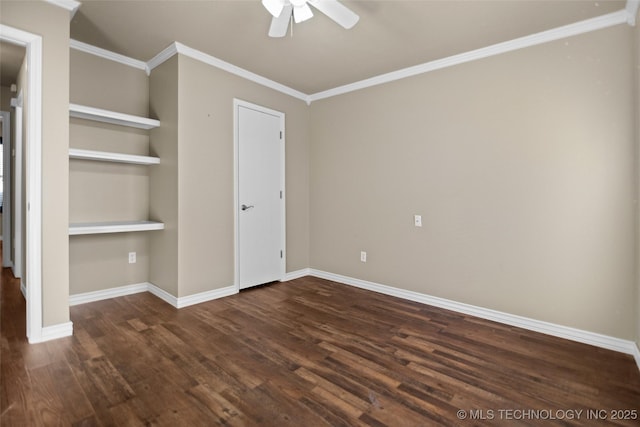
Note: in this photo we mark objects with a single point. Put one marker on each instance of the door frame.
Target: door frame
(7, 145)
(237, 103)
(33, 139)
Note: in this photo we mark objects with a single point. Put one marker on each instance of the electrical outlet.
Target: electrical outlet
(132, 257)
(363, 256)
(417, 220)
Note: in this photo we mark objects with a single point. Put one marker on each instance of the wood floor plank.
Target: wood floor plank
(308, 353)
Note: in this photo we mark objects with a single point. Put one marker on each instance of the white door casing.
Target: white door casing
(259, 194)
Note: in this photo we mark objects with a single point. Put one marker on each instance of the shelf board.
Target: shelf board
(105, 156)
(113, 117)
(113, 227)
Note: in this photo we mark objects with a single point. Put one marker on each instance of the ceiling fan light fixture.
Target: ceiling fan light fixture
(284, 10)
(274, 7)
(302, 13)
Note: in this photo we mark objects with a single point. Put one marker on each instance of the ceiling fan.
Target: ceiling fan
(283, 10)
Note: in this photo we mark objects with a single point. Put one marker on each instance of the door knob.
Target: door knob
(245, 207)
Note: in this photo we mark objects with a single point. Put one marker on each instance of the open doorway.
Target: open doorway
(31, 214)
(13, 71)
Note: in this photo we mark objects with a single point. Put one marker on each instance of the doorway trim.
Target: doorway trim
(33, 138)
(237, 103)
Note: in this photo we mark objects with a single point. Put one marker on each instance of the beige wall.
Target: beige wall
(206, 178)
(5, 105)
(163, 185)
(102, 191)
(5, 98)
(522, 167)
(52, 23)
(193, 189)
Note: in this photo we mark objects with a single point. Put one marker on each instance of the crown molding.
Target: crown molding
(240, 72)
(632, 11)
(70, 5)
(107, 54)
(162, 56)
(627, 15)
(177, 47)
(570, 30)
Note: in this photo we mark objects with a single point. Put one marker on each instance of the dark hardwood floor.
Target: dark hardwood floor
(304, 353)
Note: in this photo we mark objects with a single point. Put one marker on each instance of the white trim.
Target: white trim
(296, 274)
(105, 156)
(636, 354)
(112, 117)
(113, 227)
(205, 296)
(23, 289)
(566, 332)
(627, 15)
(33, 44)
(162, 56)
(181, 302)
(107, 54)
(177, 47)
(162, 294)
(54, 332)
(240, 72)
(121, 291)
(70, 5)
(570, 30)
(632, 11)
(237, 103)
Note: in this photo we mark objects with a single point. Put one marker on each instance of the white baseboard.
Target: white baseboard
(296, 274)
(636, 354)
(153, 289)
(162, 294)
(107, 293)
(206, 296)
(586, 337)
(56, 331)
(566, 332)
(23, 289)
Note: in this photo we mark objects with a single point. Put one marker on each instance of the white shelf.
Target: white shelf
(105, 156)
(113, 117)
(113, 227)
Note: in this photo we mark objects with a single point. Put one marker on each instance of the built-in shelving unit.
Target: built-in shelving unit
(112, 117)
(105, 156)
(113, 227)
(120, 119)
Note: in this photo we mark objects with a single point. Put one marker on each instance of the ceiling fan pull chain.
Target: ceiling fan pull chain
(291, 25)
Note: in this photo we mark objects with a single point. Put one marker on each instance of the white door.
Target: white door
(260, 206)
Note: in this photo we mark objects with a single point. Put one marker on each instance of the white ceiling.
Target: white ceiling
(321, 55)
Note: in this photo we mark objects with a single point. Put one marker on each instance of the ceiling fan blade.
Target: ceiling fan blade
(273, 6)
(279, 25)
(302, 13)
(336, 11)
